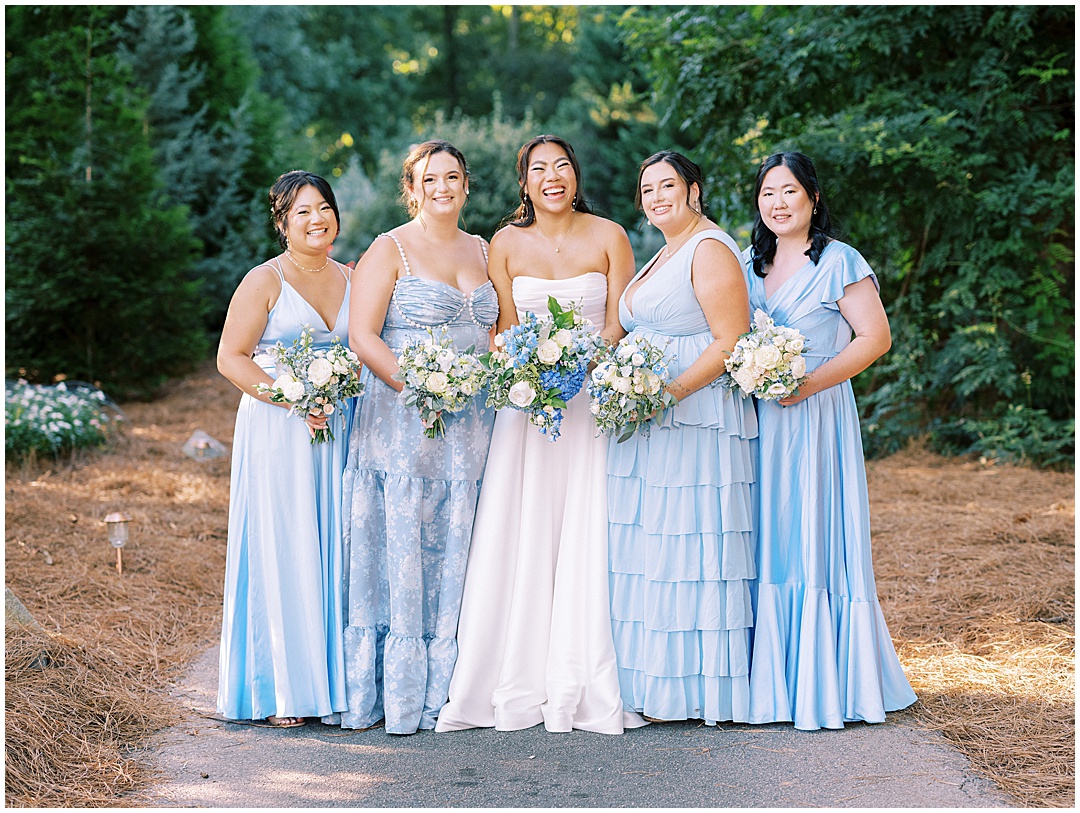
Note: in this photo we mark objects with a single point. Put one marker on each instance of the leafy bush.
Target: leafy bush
(1018, 434)
(943, 137)
(49, 421)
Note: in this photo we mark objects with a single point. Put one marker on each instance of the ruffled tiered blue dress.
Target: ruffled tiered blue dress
(409, 503)
(680, 521)
(822, 654)
(281, 651)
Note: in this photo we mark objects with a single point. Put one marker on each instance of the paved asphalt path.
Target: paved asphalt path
(208, 763)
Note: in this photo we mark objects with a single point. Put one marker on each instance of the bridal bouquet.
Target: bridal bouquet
(628, 387)
(313, 380)
(540, 364)
(767, 361)
(438, 379)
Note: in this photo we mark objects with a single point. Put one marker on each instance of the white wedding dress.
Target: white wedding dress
(534, 638)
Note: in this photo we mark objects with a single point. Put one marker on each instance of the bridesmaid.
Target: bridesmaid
(535, 632)
(281, 657)
(680, 501)
(411, 499)
(822, 653)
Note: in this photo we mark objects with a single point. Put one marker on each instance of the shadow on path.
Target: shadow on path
(206, 763)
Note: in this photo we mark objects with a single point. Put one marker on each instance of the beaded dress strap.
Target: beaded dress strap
(401, 251)
(483, 247)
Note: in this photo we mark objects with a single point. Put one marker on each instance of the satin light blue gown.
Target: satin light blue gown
(680, 520)
(409, 503)
(281, 651)
(822, 654)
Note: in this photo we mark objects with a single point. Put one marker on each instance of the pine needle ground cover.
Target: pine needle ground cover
(974, 565)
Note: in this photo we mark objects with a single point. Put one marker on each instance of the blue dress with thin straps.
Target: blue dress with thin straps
(409, 503)
(281, 651)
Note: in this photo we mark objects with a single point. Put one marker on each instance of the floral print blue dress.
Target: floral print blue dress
(409, 503)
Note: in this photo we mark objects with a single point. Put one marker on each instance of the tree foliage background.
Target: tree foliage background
(141, 142)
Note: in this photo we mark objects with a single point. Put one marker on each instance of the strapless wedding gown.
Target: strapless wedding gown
(534, 639)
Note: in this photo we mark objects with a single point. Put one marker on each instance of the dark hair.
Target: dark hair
(685, 168)
(763, 241)
(415, 156)
(283, 194)
(526, 212)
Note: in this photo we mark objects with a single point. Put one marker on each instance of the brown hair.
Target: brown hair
(415, 156)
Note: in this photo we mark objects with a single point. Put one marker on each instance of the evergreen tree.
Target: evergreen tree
(204, 139)
(95, 255)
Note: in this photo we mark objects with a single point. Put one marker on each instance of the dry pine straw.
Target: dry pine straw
(974, 568)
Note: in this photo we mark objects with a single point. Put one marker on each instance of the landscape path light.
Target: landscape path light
(116, 525)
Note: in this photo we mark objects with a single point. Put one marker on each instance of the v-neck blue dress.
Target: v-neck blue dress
(281, 650)
(680, 522)
(409, 503)
(822, 654)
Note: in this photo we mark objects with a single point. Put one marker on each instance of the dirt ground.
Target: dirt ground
(974, 564)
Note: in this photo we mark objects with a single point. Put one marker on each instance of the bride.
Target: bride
(534, 638)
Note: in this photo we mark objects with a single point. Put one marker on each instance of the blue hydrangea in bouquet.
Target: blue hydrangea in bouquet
(629, 387)
(313, 380)
(438, 379)
(540, 364)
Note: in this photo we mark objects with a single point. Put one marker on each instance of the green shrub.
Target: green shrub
(1017, 434)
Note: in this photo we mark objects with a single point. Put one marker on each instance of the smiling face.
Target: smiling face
(439, 185)
(550, 180)
(784, 205)
(311, 224)
(664, 197)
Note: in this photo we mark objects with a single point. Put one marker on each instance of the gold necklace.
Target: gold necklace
(292, 259)
(668, 250)
(565, 234)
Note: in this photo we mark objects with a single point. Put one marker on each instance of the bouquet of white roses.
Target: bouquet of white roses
(767, 361)
(313, 380)
(438, 379)
(541, 364)
(629, 386)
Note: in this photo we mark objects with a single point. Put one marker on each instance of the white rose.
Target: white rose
(445, 359)
(795, 345)
(282, 381)
(767, 356)
(621, 384)
(522, 394)
(500, 340)
(652, 382)
(745, 378)
(776, 389)
(467, 388)
(637, 359)
(778, 340)
(319, 372)
(798, 367)
(293, 390)
(549, 352)
(564, 338)
(625, 351)
(437, 383)
(328, 409)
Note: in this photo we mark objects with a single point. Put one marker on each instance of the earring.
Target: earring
(573, 204)
(815, 210)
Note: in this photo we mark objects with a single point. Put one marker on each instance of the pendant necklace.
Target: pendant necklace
(565, 234)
